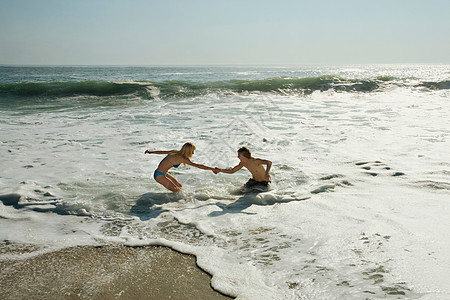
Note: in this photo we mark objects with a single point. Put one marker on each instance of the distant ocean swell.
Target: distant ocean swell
(173, 89)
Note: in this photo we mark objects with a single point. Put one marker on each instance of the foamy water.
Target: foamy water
(359, 201)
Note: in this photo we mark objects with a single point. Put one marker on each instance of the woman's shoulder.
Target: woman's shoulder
(175, 154)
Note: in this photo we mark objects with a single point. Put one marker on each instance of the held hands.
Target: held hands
(216, 170)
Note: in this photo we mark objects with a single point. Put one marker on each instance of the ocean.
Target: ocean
(359, 200)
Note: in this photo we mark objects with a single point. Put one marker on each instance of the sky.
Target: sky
(226, 32)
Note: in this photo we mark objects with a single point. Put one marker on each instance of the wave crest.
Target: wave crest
(64, 89)
(184, 89)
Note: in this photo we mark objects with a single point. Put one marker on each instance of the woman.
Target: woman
(173, 159)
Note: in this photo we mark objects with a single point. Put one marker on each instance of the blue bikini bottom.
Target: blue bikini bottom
(157, 173)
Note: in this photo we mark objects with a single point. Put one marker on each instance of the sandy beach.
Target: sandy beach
(106, 272)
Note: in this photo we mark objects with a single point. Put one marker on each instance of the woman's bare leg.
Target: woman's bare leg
(168, 184)
(171, 178)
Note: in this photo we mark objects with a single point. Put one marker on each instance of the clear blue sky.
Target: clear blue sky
(175, 32)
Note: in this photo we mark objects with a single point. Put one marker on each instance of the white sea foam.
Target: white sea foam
(357, 207)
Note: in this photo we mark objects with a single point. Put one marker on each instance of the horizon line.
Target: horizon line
(217, 65)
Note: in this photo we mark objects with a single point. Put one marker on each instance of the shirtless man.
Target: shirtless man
(261, 177)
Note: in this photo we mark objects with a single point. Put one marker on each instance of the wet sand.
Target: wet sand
(106, 272)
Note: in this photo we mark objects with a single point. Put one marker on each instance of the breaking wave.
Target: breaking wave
(174, 89)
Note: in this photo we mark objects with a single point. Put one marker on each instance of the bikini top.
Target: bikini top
(175, 166)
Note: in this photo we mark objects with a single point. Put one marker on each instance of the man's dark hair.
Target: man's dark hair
(245, 152)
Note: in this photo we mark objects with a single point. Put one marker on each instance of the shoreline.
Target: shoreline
(106, 272)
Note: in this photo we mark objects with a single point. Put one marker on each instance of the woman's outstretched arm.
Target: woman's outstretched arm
(203, 167)
(156, 152)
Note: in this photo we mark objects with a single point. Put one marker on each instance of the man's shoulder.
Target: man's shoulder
(253, 162)
(261, 160)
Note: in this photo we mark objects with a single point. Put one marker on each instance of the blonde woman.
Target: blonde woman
(173, 159)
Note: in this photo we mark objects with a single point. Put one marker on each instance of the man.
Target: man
(261, 177)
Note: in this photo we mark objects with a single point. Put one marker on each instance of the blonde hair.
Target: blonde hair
(186, 151)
